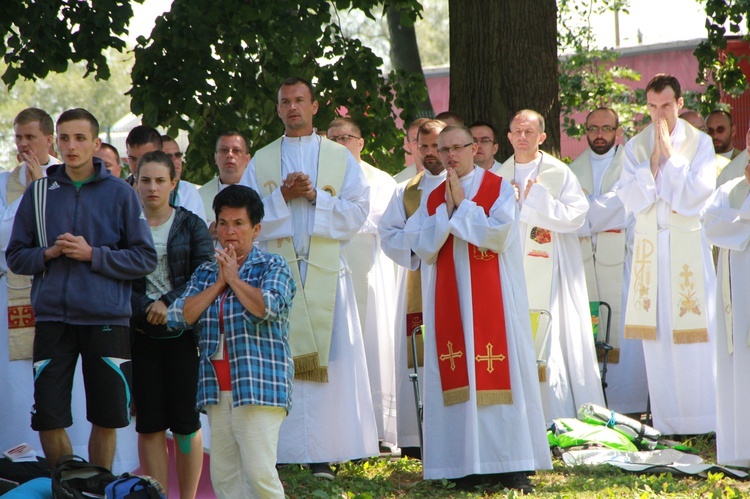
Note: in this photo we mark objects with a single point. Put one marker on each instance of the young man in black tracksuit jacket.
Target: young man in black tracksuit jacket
(81, 233)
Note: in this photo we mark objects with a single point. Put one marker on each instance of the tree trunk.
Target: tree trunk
(503, 58)
(405, 53)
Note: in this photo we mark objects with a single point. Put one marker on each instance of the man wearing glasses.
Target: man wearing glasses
(485, 137)
(553, 209)
(407, 198)
(186, 193)
(231, 159)
(480, 372)
(606, 255)
(374, 279)
(720, 126)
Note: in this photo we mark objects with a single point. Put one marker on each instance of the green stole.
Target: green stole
(311, 315)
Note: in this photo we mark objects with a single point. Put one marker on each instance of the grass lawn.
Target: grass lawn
(386, 478)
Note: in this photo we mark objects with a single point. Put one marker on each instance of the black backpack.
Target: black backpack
(74, 475)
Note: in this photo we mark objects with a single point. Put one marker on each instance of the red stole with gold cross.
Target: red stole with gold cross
(491, 364)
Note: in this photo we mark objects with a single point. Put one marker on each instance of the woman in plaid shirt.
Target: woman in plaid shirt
(241, 302)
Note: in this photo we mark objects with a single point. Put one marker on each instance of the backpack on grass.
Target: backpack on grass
(134, 487)
(76, 478)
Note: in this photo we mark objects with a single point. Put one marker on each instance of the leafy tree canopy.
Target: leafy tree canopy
(43, 36)
(718, 68)
(589, 77)
(209, 70)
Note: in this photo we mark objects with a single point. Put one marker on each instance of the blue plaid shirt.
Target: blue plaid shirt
(260, 359)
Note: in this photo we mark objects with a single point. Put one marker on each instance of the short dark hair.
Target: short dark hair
(294, 81)
(609, 110)
(156, 157)
(142, 135)
(663, 80)
(32, 114)
(721, 111)
(166, 138)
(232, 133)
(448, 115)
(430, 126)
(457, 128)
(80, 114)
(488, 125)
(111, 148)
(240, 196)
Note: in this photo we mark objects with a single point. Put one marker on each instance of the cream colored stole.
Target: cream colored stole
(604, 266)
(689, 323)
(20, 314)
(311, 316)
(737, 197)
(538, 244)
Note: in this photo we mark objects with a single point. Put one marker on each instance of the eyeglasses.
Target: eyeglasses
(455, 149)
(604, 129)
(225, 150)
(343, 138)
(485, 141)
(177, 155)
(718, 129)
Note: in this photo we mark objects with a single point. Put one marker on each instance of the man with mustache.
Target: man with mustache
(720, 126)
(404, 203)
(606, 255)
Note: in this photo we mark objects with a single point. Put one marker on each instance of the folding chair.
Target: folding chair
(414, 378)
(603, 347)
(541, 320)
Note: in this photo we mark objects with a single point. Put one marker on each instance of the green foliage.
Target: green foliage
(401, 478)
(212, 70)
(718, 68)
(588, 76)
(44, 36)
(60, 91)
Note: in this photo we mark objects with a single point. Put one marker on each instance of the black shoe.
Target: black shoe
(473, 482)
(517, 481)
(322, 470)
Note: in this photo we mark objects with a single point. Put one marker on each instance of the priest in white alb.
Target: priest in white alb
(606, 258)
(667, 180)
(483, 411)
(406, 200)
(374, 279)
(316, 200)
(727, 225)
(553, 209)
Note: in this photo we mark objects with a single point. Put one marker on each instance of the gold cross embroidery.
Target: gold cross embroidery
(489, 358)
(451, 355)
(686, 273)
